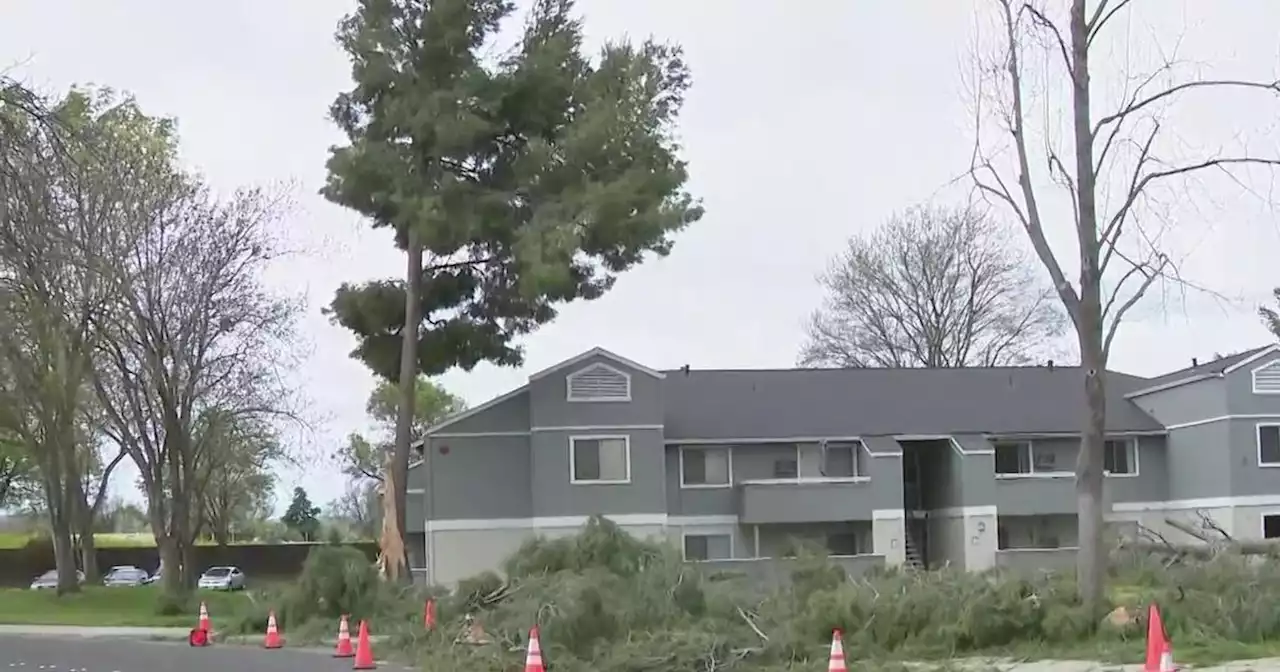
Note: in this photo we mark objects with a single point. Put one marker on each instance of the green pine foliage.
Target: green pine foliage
(532, 177)
(608, 602)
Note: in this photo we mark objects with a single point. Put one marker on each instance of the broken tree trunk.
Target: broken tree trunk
(391, 559)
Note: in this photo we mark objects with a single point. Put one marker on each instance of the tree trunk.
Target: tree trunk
(61, 507)
(1091, 561)
(89, 557)
(64, 554)
(187, 553)
(171, 565)
(84, 520)
(408, 379)
(61, 524)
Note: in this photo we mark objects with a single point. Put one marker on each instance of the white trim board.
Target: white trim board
(1199, 503)
(562, 522)
(759, 440)
(955, 445)
(1226, 418)
(596, 352)
(1197, 377)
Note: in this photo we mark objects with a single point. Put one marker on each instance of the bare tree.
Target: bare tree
(193, 331)
(1043, 45)
(934, 288)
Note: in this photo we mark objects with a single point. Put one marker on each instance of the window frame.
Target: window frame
(855, 447)
(573, 462)
(857, 544)
(1262, 523)
(1131, 445)
(684, 547)
(1257, 435)
(1031, 461)
(728, 451)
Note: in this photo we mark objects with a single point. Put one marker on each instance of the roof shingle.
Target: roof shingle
(764, 404)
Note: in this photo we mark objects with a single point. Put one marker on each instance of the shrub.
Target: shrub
(335, 580)
(607, 601)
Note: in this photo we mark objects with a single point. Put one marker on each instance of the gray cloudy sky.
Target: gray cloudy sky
(807, 122)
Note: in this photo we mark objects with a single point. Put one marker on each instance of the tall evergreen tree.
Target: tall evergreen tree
(513, 184)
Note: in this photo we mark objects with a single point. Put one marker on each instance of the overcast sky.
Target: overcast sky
(807, 122)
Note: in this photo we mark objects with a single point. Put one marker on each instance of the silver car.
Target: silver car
(49, 580)
(125, 576)
(222, 578)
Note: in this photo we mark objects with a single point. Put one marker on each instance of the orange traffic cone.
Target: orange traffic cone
(273, 639)
(204, 624)
(836, 662)
(429, 615)
(344, 649)
(533, 660)
(364, 652)
(1159, 650)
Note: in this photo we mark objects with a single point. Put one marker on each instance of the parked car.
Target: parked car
(222, 578)
(49, 580)
(125, 576)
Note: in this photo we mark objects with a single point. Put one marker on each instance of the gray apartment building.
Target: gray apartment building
(967, 467)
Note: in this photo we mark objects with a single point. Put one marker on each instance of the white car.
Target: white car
(125, 575)
(49, 580)
(222, 578)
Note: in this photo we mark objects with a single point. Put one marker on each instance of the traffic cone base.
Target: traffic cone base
(273, 639)
(344, 648)
(364, 652)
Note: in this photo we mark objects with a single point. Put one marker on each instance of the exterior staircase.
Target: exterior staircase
(914, 561)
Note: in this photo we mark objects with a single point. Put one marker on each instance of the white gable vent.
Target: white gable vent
(1266, 379)
(599, 382)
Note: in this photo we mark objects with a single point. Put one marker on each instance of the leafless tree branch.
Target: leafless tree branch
(937, 288)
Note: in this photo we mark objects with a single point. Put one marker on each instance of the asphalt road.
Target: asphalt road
(31, 653)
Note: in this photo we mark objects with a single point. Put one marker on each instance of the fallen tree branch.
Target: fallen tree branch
(1204, 551)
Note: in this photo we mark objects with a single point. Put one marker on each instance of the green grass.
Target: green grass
(100, 606)
(15, 540)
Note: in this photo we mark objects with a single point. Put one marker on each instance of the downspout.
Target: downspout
(427, 495)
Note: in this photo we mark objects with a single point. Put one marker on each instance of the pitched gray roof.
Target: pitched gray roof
(1210, 368)
(865, 402)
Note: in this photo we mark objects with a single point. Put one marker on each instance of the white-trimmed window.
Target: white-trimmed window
(1020, 458)
(844, 543)
(600, 459)
(710, 467)
(840, 460)
(598, 382)
(1271, 526)
(1268, 445)
(1266, 378)
(1120, 457)
(702, 547)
